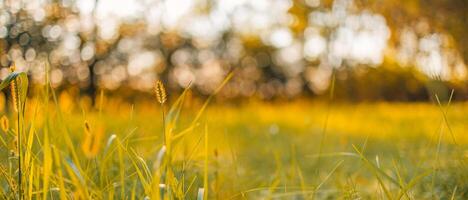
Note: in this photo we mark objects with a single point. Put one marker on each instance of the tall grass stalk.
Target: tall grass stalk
(205, 174)
(17, 109)
(327, 117)
(18, 82)
(325, 123)
(161, 96)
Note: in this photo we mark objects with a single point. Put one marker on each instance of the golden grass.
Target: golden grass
(248, 151)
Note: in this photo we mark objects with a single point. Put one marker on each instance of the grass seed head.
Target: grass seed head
(92, 141)
(4, 123)
(160, 92)
(14, 95)
(14, 90)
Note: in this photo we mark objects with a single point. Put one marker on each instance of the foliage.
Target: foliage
(257, 150)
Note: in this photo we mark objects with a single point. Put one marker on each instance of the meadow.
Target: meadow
(210, 148)
(234, 99)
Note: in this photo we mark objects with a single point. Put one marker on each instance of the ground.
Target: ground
(282, 150)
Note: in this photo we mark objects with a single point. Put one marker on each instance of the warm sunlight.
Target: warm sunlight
(233, 99)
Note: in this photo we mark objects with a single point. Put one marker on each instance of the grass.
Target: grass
(217, 150)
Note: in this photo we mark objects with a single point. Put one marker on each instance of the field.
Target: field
(233, 99)
(215, 149)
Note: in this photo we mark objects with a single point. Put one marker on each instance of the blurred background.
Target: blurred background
(372, 50)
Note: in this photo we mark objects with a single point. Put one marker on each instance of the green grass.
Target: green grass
(253, 150)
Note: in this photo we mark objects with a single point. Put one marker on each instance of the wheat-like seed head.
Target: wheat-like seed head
(14, 90)
(4, 123)
(14, 95)
(160, 92)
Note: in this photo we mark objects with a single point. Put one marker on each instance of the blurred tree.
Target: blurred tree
(449, 16)
(280, 48)
(388, 82)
